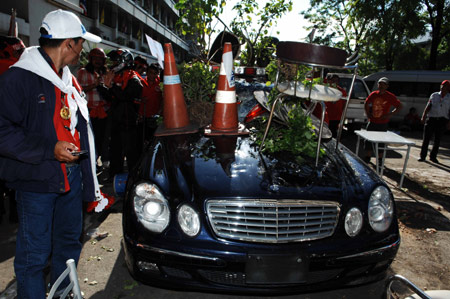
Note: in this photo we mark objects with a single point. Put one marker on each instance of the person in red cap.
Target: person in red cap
(435, 116)
(47, 152)
(11, 48)
(378, 110)
(91, 79)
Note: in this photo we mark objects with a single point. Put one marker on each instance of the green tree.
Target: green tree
(252, 25)
(377, 29)
(196, 17)
(337, 25)
(437, 16)
(397, 22)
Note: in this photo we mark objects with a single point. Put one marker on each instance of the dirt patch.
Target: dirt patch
(423, 209)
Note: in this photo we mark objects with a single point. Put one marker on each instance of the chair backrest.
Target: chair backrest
(73, 286)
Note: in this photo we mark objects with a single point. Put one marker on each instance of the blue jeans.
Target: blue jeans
(50, 226)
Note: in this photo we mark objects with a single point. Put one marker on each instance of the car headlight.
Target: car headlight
(189, 220)
(381, 209)
(151, 207)
(353, 222)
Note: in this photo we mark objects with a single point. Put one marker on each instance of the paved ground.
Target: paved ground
(103, 273)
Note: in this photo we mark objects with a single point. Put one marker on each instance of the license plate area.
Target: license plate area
(276, 268)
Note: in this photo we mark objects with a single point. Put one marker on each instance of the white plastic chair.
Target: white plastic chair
(419, 294)
(73, 286)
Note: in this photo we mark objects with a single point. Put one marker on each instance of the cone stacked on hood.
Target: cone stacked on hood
(225, 116)
(176, 117)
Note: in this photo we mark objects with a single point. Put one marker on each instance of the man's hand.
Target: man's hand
(63, 151)
(108, 78)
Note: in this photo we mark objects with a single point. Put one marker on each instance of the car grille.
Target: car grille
(272, 221)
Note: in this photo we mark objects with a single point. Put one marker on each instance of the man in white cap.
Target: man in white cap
(435, 117)
(47, 153)
(378, 107)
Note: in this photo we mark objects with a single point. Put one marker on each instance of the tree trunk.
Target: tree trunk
(436, 25)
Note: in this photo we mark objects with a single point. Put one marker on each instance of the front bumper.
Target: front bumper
(255, 272)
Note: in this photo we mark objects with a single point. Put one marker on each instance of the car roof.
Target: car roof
(344, 75)
(411, 76)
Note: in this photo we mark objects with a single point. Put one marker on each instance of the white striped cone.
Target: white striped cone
(225, 117)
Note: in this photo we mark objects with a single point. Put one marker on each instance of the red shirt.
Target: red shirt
(151, 99)
(122, 78)
(62, 126)
(381, 105)
(335, 109)
(97, 106)
(5, 63)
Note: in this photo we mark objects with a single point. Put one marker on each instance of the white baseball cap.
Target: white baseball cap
(384, 80)
(62, 24)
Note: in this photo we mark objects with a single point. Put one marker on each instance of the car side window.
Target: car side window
(359, 91)
(402, 89)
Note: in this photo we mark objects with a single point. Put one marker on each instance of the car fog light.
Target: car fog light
(147, 267)
(189, 220)
(353, 222)
(381, 209)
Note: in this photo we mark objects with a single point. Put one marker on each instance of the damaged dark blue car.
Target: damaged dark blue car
(213, 212)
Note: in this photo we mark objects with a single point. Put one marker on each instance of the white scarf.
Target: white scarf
(32, 60)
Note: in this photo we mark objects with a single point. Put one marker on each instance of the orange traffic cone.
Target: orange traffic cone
(176, 118)
(225, 116)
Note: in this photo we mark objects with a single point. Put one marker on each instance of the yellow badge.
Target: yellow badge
(65, 113)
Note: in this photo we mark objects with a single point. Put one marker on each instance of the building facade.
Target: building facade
(120, 23)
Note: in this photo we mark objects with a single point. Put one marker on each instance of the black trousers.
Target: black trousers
(433, 126)
(123, 144)
(99, 126)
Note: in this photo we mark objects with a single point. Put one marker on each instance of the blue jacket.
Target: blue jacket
(28, 136)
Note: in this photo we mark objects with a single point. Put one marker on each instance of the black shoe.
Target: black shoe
(421, 159)
(434, 160)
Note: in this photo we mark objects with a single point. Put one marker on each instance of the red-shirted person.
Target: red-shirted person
(378, 107)
(335, 109)
(91, 78)
(150, 106)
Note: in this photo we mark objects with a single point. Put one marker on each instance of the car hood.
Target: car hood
(188, 167)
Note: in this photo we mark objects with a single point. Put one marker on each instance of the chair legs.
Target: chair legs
(73, 286)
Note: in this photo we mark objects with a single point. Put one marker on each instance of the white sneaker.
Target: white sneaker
(99, 161)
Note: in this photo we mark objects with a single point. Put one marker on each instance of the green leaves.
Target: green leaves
(297, 137)
(196, 17)
(198, 81)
